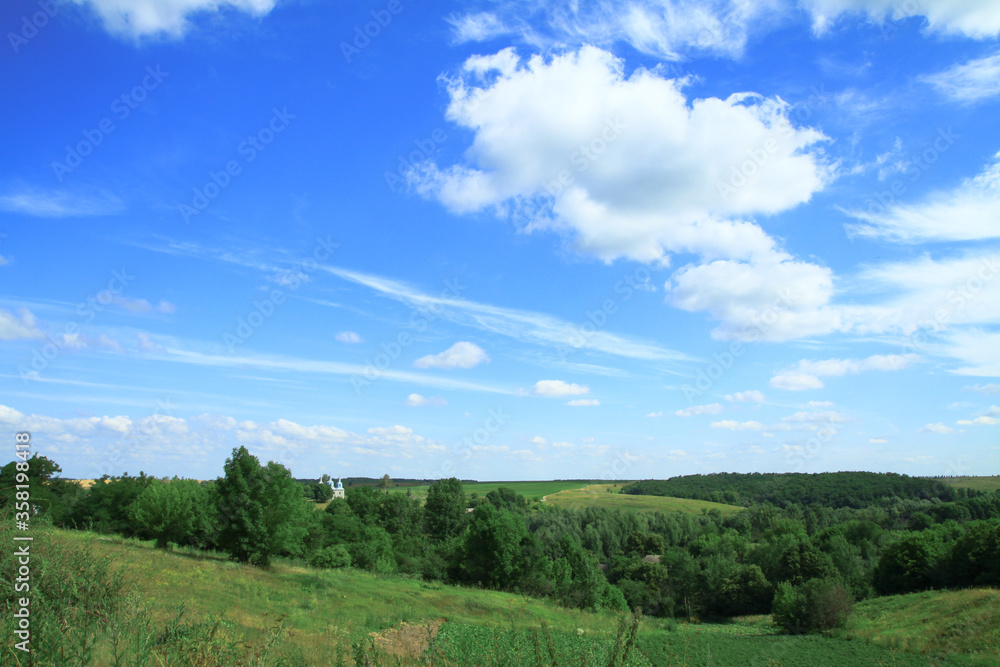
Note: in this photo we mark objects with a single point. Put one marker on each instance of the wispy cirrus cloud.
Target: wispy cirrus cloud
(523, 325)
(58, 204)
(970, 82)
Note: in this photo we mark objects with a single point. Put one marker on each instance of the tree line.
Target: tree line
(805, 562)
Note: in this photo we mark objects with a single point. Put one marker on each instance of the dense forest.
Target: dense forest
(804, 548)
(831, 489)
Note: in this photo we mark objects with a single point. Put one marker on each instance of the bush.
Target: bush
(817, 605)
(331, 557)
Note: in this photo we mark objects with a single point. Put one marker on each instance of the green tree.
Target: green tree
(385, 483)
(444, 511)
(745, 591)
(365, 502)
(241, 508)
(493, 554)
(49, 493)
(176, 511)
(262, 510)
(905, 566)
(802, 562)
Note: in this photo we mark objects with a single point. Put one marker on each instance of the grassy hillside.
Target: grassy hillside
(597, 495)
(292, 615)
(977, 483)
(321, 607)
(934, 622)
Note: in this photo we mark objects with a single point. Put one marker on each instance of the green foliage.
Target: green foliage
(832, 489)
(104, 506)
(444, 511)
(975, 556)
(331, 557)
(746, 591)
(262, 510)
(906, 566)
(506, 498)
(49, 493)
(177, 511)
(493, 554)
(801, 562)
(816, 605)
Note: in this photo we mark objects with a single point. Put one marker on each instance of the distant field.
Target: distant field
(597, 495)
(977, 483)
(529, 490)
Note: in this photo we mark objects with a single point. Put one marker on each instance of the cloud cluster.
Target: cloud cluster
(558, 388)
(139, 18)
(979, 19)
(712, 409)
(460, 355)
(416, 400)
(626, 165)
(806, 374)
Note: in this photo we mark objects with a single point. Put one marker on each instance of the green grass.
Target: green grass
(529, 490)
(326, 608)
(963, 623)
(749, 641)
(596, 495)
(757, 643)
(320, 607)
(977, 483)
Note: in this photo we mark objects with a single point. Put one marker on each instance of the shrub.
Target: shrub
(331, 557)
(818, 604)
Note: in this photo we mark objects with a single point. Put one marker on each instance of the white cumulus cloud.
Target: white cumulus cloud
(712, 409)
(460, 355)
(558, 388)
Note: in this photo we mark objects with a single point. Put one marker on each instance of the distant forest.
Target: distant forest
(830, 489)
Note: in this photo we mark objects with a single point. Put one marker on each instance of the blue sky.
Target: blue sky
(502, 240)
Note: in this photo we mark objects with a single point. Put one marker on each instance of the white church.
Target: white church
(338, 489)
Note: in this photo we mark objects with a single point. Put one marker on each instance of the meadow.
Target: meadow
(989, 484)
(609, 495)
(295, 615)
(529, 490)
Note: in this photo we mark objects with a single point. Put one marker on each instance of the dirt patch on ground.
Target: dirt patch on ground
(408, 641)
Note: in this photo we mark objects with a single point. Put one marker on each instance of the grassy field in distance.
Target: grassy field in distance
(529, 490)
(977, 483)
(597, 495)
